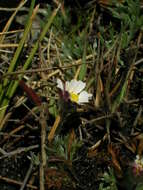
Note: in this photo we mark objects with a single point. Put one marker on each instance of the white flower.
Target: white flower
(138, 165)
(75, 90)
(139, 160)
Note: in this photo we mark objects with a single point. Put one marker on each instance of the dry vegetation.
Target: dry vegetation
(47, 142)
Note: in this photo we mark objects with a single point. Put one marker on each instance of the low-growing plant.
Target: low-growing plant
(108, 181)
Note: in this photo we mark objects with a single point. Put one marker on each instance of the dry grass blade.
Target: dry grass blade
(71, 139)
(92, 144)
(114, 160)
(2, 37)
(53, 129)
(43, 142)
(9, 91)
(98, 91)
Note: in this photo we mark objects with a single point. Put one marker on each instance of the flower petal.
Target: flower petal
(75, 86)
(84, 97)
(71, 85)
(67, 86)
(60, 84)
(79, 86)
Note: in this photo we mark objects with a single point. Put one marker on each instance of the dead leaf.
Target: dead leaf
(54, 178)
(92, 151)
(115, 160)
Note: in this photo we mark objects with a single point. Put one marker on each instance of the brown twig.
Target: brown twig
(99, 118)
(12, 133)
(74, 64)
(11, 32)
(18, 151)
(4, 134)
(27, 176)
(43, 152)
(11, 143)
(15, 182)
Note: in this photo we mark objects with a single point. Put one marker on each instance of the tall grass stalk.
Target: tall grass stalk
(6, 86)
(14, 84)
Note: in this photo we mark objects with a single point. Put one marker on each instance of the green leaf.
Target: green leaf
(52, 107)
(83, 69)
(139, 186)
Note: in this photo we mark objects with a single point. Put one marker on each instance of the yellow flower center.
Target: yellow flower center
(74, 97)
